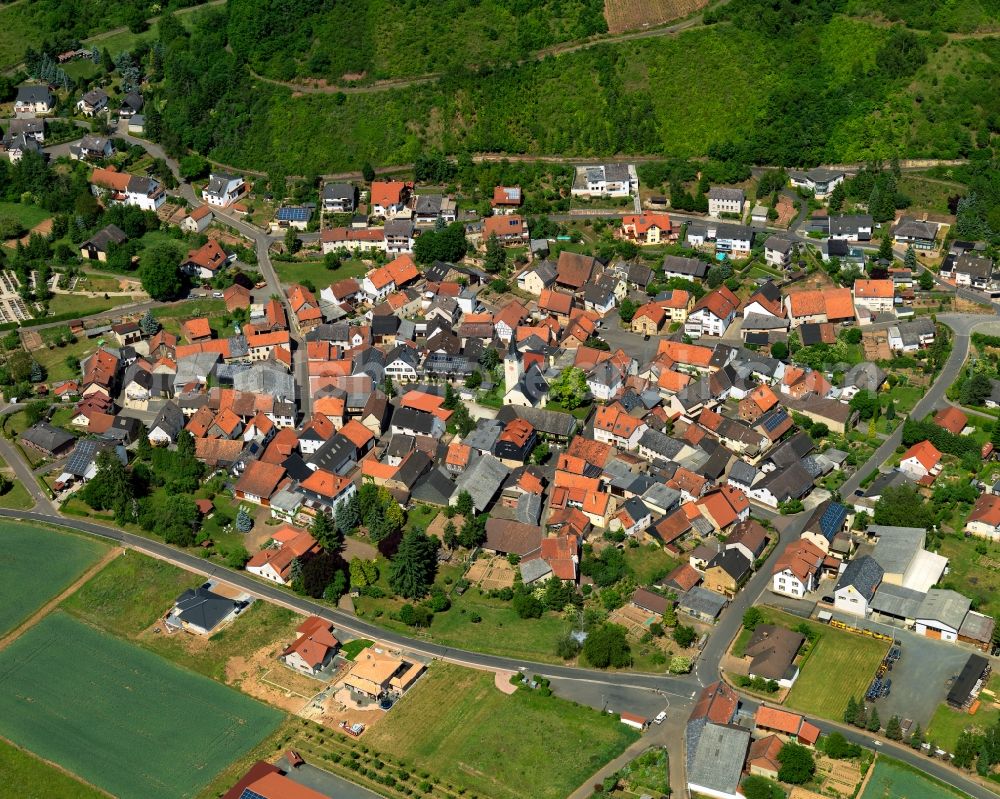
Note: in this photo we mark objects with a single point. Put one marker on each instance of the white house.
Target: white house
(851, 228)
(712, 315)
(821, 182)
(778, 251)
(93, 102)
(223, 190)
(352, 239)
(921, 460)
(606, 180)
(797, 571)
(124, 189)
(725, 201)
(857, 585)
(33, 99)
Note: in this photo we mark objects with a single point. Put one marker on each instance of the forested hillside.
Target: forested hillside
(780, 88)
(285, 39)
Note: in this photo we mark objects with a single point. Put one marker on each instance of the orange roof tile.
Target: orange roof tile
(925, 452)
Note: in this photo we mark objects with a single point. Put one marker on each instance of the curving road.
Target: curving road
(962, 326)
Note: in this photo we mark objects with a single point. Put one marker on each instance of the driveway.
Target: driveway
(618, 337)
(920, 677)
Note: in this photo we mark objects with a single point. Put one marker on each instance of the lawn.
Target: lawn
(56, 359)
(456, 724)
(853, 657)
(649, 563)
(23, 769)
(83, 306)
(17, 498)
(947, 723)
(27, 215)
(500, 631)
(129, 594)
(44, 563)
(91, 703)
(891, 778)
(352, 649)
(316, 272)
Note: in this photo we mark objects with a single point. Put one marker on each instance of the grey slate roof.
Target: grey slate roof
(864, 574)
(722, 193)
(661, 444)
(701, 601)
(897, 601)
(44, 436)
(170, 419)
(544, 421)
(779, 243)
(945, 606)
(204, 608)
(482, 481)
(692, 267)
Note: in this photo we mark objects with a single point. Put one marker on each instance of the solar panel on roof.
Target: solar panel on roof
(294, 214)
(771, 422)
(250, 793)
(832, 517)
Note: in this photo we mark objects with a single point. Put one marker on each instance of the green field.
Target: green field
(947, 723)
(119, 716)
(853, 658)
(27, 215)
(455, 723)
(40, 564)
(891, 779)
(316, 273)
(40, 779)
(17, 498)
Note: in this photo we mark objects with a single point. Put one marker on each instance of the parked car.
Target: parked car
(660, 717)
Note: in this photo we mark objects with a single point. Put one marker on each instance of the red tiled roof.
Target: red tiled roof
(951, 419)
(925, 452)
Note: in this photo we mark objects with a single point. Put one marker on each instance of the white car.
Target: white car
(660, 717)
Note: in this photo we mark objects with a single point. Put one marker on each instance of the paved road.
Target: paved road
(962, 326)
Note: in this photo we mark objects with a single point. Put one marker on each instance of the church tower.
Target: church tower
(511, 367)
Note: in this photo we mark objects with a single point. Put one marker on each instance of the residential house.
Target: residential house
(687, 268)
(916, 233)
(259, 482)
(820, 181)
(202, 611)
(389, 198)
(339, 198)
(725, 201)
(536, 279)
(123, 189)
(429, 208)
(857, 585)
(93, 102)
(198, 219)
(712, 315)
(972, 270)
(647, 228)
(951, 419)
(574, 270)
(922, 461)
(715, 761)
(778, 251)
(813, 305)
(876, 296)
(605, 180)
(91, 148)
(352, 239)
(727, 572)
(223, 190)
(786, 725)
(131, 104)
(33, 99)
(313, 649)
(506, 199)
(772, 651)
(984, 520)
(275, 563)
(797, 571)
(205, 261)
(851, 228)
